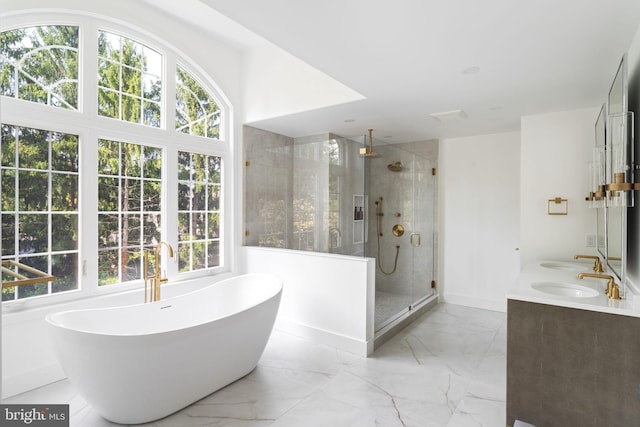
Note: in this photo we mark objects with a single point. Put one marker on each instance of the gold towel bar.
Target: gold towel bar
(21, 279)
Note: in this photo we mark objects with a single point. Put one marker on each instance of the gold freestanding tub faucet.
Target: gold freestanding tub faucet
(597, 265)
(156, 279)
(613, 290)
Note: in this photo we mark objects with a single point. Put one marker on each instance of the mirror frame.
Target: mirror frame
(601, 210)
(617, 97)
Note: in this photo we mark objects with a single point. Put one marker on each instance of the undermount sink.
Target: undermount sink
(565, 289)
(561, 265)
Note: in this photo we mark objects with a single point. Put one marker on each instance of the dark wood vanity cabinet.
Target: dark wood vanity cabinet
(572, 367)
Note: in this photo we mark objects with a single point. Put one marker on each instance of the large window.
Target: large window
(199, 192)
(129, 208)
(39, 171)
(86, 189)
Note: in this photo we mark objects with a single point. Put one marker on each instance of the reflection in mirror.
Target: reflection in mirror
(597, 186)
(616, 214)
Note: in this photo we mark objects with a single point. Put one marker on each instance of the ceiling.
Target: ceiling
(496, 60)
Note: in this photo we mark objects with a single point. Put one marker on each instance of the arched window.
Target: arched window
(87, 191)
(40, 64)
(196, 111)
(129, 80)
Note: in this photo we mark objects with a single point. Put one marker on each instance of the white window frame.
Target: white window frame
(89, 126)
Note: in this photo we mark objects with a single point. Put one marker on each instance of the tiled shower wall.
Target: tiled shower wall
(299, 192)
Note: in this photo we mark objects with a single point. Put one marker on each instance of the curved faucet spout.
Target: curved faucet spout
(613, 290)
(159, 248)
(597, 265)
(156, 278)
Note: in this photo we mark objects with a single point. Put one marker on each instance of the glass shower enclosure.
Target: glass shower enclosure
(319, 194)
(401, 185)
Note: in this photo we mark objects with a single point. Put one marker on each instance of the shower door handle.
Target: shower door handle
(418, 239)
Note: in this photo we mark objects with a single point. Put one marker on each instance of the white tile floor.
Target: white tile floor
(448, 369)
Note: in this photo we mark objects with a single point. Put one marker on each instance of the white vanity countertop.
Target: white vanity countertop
(537, 273)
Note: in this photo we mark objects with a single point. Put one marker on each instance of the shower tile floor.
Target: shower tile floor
(447, 369)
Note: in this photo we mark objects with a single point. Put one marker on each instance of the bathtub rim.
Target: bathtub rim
(50, 318)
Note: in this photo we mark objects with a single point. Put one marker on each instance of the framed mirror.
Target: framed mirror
(616, 143)
(599, 181)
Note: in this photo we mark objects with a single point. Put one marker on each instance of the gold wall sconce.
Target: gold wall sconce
(557, 206)
(597, 179)
(620, 181)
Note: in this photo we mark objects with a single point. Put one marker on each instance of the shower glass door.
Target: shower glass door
(402, 196)
(422, 235)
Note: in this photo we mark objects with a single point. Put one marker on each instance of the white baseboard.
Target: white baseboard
(26, 381)
(476, 302)
(320, 336)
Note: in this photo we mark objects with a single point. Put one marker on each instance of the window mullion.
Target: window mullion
(88, 203)
(170, 162)
(89, 70)
(88, 196)
(169, 204)
(169, 93)
(49, 212)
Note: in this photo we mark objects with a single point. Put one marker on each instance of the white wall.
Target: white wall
(276, 83)
(327, 298)
(479, 202)
(555, 151)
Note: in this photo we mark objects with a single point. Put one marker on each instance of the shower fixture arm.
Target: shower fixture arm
(367, 151)
(379, 215)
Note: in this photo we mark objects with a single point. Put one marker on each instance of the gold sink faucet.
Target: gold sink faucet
(597, 265)
(613, 290)
(156, 279)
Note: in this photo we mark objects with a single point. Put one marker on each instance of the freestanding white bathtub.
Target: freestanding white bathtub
(139, 363)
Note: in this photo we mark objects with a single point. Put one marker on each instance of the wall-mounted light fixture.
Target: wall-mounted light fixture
(620, 180)
(597, 179)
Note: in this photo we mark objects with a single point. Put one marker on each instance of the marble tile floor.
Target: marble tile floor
(447, 369)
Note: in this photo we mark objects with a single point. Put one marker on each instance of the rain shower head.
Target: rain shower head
(368, 151)
(364, 152)
(395, 166)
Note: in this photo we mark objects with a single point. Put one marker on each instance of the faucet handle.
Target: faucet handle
(615, 292)
(597, 267)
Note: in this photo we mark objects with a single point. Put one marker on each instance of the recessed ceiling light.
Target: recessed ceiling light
(349, 121)
(447, 116)
(496, 108)
(471, 70)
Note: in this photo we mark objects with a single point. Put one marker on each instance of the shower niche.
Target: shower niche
(360, 219)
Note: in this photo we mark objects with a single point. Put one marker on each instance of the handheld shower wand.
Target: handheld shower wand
(379, 215)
